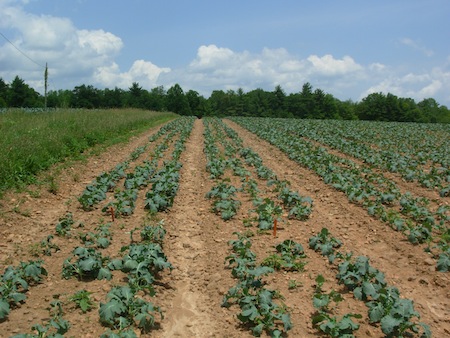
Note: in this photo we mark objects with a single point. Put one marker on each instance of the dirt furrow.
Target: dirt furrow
(189, 312)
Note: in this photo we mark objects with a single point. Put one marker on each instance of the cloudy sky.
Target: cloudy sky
(349, 48)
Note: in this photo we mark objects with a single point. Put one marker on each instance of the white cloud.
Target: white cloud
(221, 68)
(210, 57)
(377, 67)
(417, 46)
(431, 89)
(217, 66)
(73, 55)
(99, 41)
(329, 66)
(417, 86)
(143, 72)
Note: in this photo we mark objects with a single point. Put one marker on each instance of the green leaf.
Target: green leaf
(326, 249)
(258, 329)
(426, 331)
(115, 264)
(103, 242)
(88, 264)
(347, 324)
(265, 297)
(34, 271)
(318, 318)
(111, 310)
(320, 301)
(320, 280)
(276, 333)
(286, 319)
(260, 271)
(404, 308)
(122, 334)
(376, 312)
(17, 297)
(104, 273)
(85, 305)
(389, 324)
(358, 293)
(443, 263)
(369, 289)
(250, 314)
(145, 320)
(161, 263)
(4, 309)
(129, 265)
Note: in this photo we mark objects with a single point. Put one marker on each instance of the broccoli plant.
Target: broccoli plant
(64, 225)
(153, 233)
(15, 281)
(325, 244)
(142, 263)
(267, 212)
(289, 257)
(164, 188)
(224, 203)
(86, 263)
(56, 326)
(123, 308)
(324, 319)
(100, 239)
(258, 309)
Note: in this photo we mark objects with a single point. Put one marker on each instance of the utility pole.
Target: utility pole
(45, 86)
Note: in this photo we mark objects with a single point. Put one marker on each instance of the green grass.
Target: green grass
(32, 142)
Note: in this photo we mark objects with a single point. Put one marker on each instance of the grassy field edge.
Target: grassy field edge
(33, 142)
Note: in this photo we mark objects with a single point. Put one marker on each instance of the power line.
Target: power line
(29, 58)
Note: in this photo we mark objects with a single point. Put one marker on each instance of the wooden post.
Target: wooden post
(45, 86)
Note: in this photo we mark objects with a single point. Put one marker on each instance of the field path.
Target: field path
(189, 314)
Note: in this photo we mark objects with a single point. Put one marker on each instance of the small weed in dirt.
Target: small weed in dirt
(53, 185)
(248, 233)
(82, 300)
(248, 222)
(43, 247)
(69, 202)
(18, 210)
(34, 193)
(24, 213)
(76, 177)
(294, 284)
(35, 249)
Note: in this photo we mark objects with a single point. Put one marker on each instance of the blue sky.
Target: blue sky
(349, 48)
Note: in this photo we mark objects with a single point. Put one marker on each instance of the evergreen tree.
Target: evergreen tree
(177, 101)
(21, 95)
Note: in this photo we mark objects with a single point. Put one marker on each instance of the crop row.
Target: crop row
(228, 161)
(127, 307)
(140, 178)
(244, 163)
(417, 153)
(395, 315)
(380, 196)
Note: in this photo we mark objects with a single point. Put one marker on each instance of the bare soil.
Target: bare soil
(196, 244)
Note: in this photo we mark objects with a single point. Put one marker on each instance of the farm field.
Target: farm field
(234, 228)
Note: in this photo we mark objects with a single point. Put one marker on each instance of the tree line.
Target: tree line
(307, 103)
